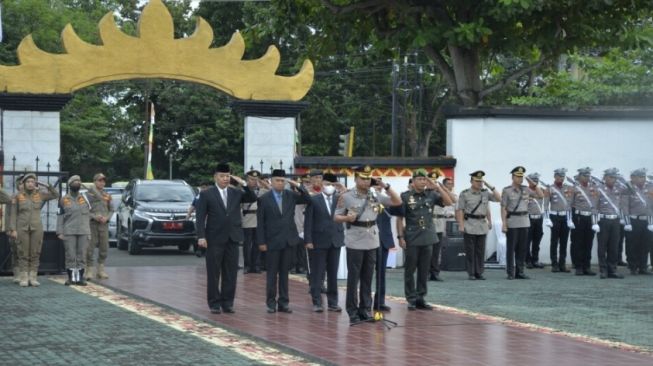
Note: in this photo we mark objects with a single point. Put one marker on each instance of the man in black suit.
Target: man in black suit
(323, 238)
(276, 234)
(219, 230)
(386, 242)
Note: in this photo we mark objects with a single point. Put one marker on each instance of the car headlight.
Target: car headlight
(141, 214)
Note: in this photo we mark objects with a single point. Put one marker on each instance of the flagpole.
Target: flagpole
(150, 142)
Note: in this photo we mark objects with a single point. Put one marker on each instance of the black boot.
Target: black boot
(69, 281)
(82, 281)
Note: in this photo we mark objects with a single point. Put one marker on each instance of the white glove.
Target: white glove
(571, 225)
(622, 222)
(301, 235)
(596, 228)
(628, 228)
(650, 228)
(548, 222)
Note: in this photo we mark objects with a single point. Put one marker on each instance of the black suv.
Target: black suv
(153, 214)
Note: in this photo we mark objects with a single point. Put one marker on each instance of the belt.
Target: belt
(642, 217)
(443, 216)
(558, 213)
(245, 212)
(363, 223)
(608, 217)
(583, 213)
(522, 213)
(479, 217)
(535, 216)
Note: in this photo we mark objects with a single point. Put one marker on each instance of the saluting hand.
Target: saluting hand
(237, 179)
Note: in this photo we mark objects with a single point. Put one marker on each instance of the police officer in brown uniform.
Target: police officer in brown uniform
(535, 231)
(13, 243)
(583, 203)
(440, 222)
(358, 209)
(101, 211)
(637, 211)
(514, 216)
(609, 208)
(251, 253)
(26, 226)
(558, 216)
(474, 221)
(73, 227)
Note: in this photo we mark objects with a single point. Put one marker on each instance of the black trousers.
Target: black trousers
(535, 234)
(418, 257)
(379, 276)
(221, 273)
(437, 252)
(582, 240)
(559, 238)
(608, 245)
(250, 249)
(516, 247)
(277, 263)
(324, 260)
(622, 237)
(638, 242)
(360, 269)
(474, 253)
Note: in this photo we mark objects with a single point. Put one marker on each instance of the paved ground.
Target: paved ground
(616, 310)
(58, 325)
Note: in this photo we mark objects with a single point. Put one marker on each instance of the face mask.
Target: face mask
(328, 190)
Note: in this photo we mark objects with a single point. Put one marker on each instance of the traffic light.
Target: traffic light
(346, 144)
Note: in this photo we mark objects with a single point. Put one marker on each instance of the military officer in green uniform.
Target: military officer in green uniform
(418, 235)
(25, 225)
(515, 220)
(101, 211)
(474, 221)
(73, 227)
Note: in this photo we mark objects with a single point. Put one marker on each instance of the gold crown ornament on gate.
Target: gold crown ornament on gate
(154, 53)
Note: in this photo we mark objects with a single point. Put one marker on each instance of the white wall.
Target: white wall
(270, 139)
(28, 134)
(498, 144)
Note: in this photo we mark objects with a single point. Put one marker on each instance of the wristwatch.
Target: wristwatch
(400, 237)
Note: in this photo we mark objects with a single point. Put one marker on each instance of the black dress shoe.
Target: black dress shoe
(353, 319)
(538, 265)
(529, 265)
(271, 310)
(334, 308)
(564, 269)
(480, 277)
(318, 309)
(589, 273)
(365, 315)
(411, 306)
(423, 305)
(622, 264)
(615, 275)
(284, 310)
(384, 308)
(228, 310)
(471, 278)
(521, 276)
(81, 282)
(216, 311)
(438, 279)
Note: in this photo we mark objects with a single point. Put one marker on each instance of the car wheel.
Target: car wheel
(132, 244)
(183, 247)
(122, 243)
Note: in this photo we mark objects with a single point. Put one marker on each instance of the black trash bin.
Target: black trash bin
(453, 254)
